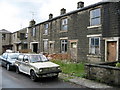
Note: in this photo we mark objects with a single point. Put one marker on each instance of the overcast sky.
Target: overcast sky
(16, 14)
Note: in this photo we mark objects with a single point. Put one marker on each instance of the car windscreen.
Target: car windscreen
(37, 58)
(13, 56)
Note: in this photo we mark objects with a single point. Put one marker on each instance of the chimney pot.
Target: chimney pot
(80, 4)
(50, 16)
(32, 23)
(63, 11)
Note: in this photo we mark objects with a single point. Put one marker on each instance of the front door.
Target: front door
(35, 47)
(51, 48)
(17, 47)
(73, 50)
(111, 51)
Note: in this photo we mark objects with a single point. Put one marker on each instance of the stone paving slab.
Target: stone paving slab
(0, 78)
(89, 83)
(86, 82)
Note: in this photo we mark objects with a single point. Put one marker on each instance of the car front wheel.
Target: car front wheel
(17, 70)
(8, 67)
(33, 76)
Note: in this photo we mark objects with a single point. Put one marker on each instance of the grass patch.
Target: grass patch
(75, 69)
(118, 64)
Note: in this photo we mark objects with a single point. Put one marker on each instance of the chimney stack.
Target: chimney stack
(32, 23)
(63, 11)
(80, 4)
(50, 16)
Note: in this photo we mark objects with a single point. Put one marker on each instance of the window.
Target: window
(34, 32)
(45, 45)
(3, 36)
(24, 46)
(94, 45)
(26, 35)
(20, 57)
(46, 26)
(64, 24)
(95, 17)
(25, 58)
(51, 45)
(73, 45)
(22, 36)
(5, 55)
(63, 46)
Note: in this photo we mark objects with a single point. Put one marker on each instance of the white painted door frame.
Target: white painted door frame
(31, 45)
(106, 42)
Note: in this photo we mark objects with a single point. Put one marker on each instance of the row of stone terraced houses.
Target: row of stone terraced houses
(90, 34)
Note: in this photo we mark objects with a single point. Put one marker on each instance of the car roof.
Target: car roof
(29, 54)
(13, 53)
(9, 51)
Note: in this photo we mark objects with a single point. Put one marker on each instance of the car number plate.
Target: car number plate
(51, 74)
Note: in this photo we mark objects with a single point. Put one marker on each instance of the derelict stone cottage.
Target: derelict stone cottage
(88, 34)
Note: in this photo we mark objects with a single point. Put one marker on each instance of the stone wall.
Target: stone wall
(111, 15)
(103, 73)
(0, 43)
(94, 58)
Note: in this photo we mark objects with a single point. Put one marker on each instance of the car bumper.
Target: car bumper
(50, 73)
(12, 66)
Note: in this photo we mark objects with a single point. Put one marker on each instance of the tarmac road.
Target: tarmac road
(10, 79)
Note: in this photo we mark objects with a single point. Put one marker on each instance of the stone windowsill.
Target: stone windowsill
(96, 26)
(95, 56)
(62, 31)
(45, 34)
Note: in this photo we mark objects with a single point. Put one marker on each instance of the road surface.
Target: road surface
(10, 79)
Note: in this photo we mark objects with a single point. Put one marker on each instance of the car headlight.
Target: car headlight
(59, 68)
(40, 70)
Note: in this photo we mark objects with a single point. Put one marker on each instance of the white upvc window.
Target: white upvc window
(94, 45)
(64, 24)
(95, 17)
(46, 26)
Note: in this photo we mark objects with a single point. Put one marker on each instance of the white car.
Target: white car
(36, 65)
(9, 51)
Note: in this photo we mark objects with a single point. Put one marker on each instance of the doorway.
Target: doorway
(73, 50)
(111, 51)
(35, 47)
(51, 47)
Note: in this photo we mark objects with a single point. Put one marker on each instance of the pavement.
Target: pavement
(87, 83)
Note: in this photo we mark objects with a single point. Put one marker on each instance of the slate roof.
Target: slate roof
(75, 11)
(4, 31)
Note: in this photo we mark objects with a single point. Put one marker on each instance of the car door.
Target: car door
(4, 59)
(25, 64)
(8, 59)
(19, 62)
